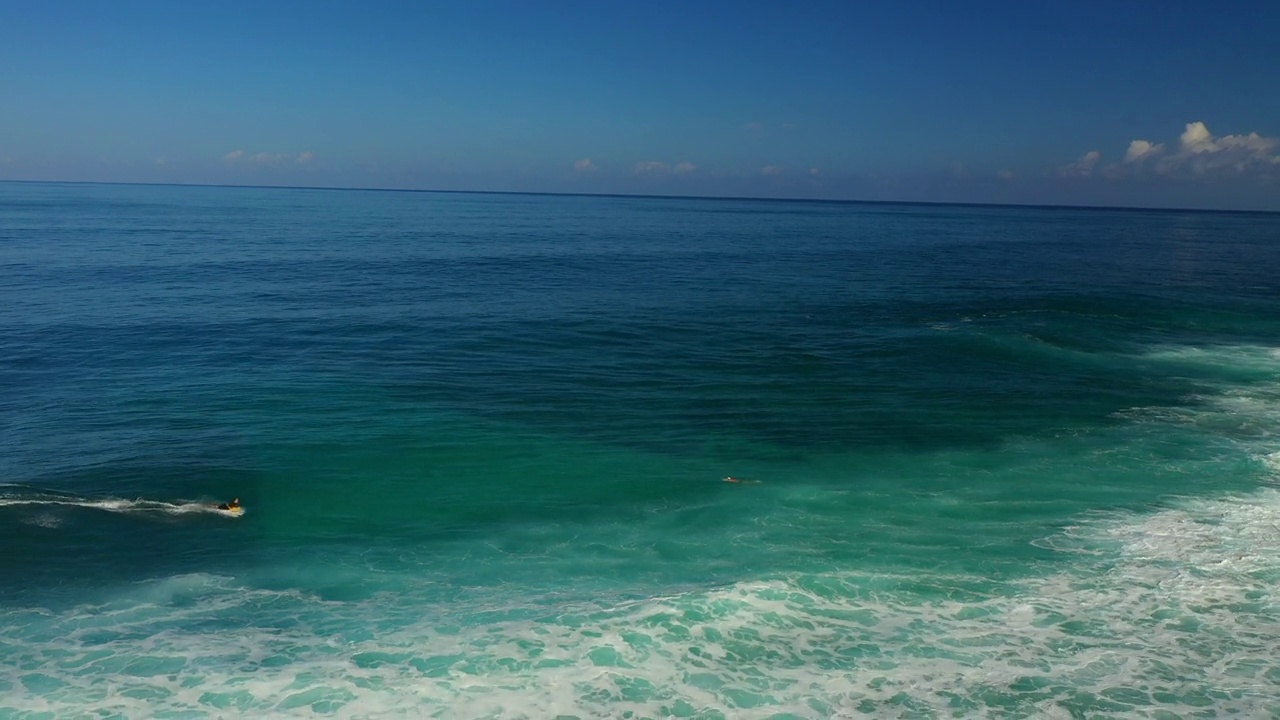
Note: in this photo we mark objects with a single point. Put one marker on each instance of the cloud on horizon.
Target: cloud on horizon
(265, 158)
(656, 168)
(1140, 150)
(584, 165)
(1197, 154)
(651, 167)
(1081, 168)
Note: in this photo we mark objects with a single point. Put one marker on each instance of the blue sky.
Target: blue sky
(1136, 102)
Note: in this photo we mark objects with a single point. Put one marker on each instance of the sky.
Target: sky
(1147, 103)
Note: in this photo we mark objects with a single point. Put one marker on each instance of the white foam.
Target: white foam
(1272, 462)
(117, 505)
(44, 520)
(1237, 418)
(1174, 611)
(1261, 359)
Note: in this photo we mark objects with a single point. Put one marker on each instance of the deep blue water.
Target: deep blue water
(1000, 462)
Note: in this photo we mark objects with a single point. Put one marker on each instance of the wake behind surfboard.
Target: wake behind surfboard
(22, 496)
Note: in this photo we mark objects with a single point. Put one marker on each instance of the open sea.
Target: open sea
(996, 462)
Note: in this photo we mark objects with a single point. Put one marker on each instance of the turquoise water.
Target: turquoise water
(1004, 462)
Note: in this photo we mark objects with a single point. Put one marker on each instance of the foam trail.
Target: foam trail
(119, 505)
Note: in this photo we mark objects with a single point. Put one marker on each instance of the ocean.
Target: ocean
(994, 462)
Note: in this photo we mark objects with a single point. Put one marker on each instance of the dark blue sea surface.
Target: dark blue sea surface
(995, 461)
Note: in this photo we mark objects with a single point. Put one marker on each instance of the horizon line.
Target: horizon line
(641, 196)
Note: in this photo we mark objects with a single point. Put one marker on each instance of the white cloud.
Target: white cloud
(684, 168)
(1196, 139)
(770, 170)
(1198, 154)
(755, 126)
(814, 172)
(584, 165)
(264, 158)
(651, 167)
(1141, 150)
(1081, 168)
(1006, 174)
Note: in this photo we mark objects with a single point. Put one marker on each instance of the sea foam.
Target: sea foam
(1173, 611)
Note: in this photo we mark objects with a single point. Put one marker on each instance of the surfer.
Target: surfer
(233, 505)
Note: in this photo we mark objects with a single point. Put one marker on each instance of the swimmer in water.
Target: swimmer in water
(740, 481)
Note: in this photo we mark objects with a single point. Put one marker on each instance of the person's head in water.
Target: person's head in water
(235, 502)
